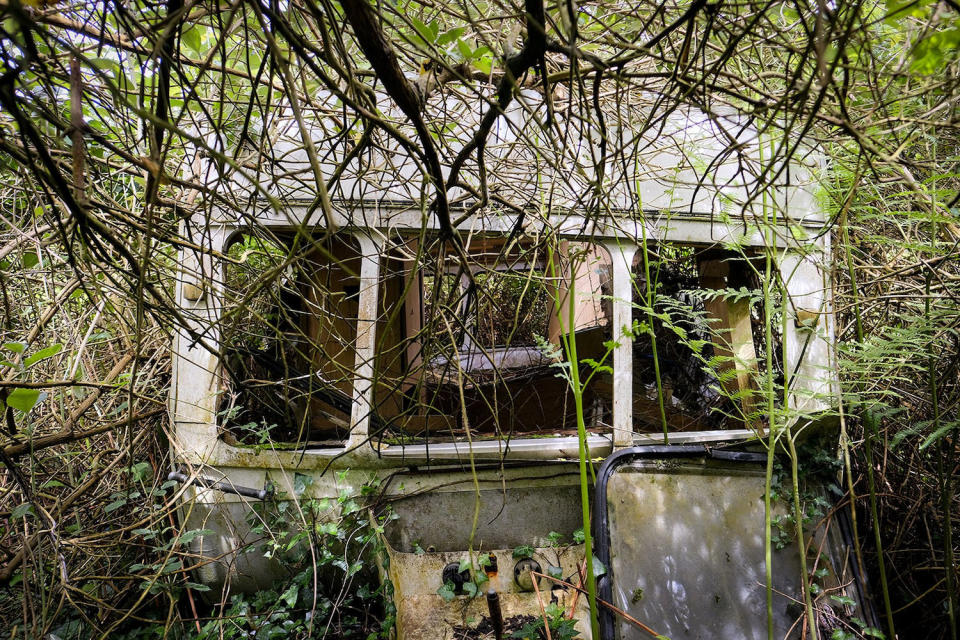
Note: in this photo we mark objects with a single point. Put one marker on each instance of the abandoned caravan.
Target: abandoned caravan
(339, 335)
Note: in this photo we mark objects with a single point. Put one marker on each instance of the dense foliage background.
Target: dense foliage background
(101, 103)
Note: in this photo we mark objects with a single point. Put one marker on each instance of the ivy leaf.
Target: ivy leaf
(523, 551)
(301, 482)
(447, 591)
(290, 595)
(188, 536)
(844, 600)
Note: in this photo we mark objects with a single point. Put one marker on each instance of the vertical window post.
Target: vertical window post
(621, 257)
(370, 249)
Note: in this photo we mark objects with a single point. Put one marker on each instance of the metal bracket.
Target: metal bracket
(219, 485)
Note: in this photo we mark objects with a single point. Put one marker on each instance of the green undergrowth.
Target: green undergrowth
(328, 551)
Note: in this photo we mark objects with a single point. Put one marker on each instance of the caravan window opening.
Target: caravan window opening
(701, 350)
(296, 385)
(489, 342)
(510, 387)
(290, 314)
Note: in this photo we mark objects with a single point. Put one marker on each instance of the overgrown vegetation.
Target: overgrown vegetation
(128, 128)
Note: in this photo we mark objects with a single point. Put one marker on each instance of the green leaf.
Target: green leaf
(141, 471)
(938, 434)
(484, 64)
(172, 566)
(523, 551)
(844, 600)
(21, 511)
(450, 35)
(290, 595)
(105, 64)
(301, 482)
(464, 49)
(447, 591)
(196, 586)
(423, 30)
(470, 588)
(16, 347)
(188, 536)
(933, 52)
(43, 354)
(29, 260)
(193, 38)
(25, 399)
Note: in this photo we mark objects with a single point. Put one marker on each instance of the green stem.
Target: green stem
(798, 518)
(650, 298)
(772, 435)
(571, 342)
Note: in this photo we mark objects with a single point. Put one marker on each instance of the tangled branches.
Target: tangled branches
(130, 130)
